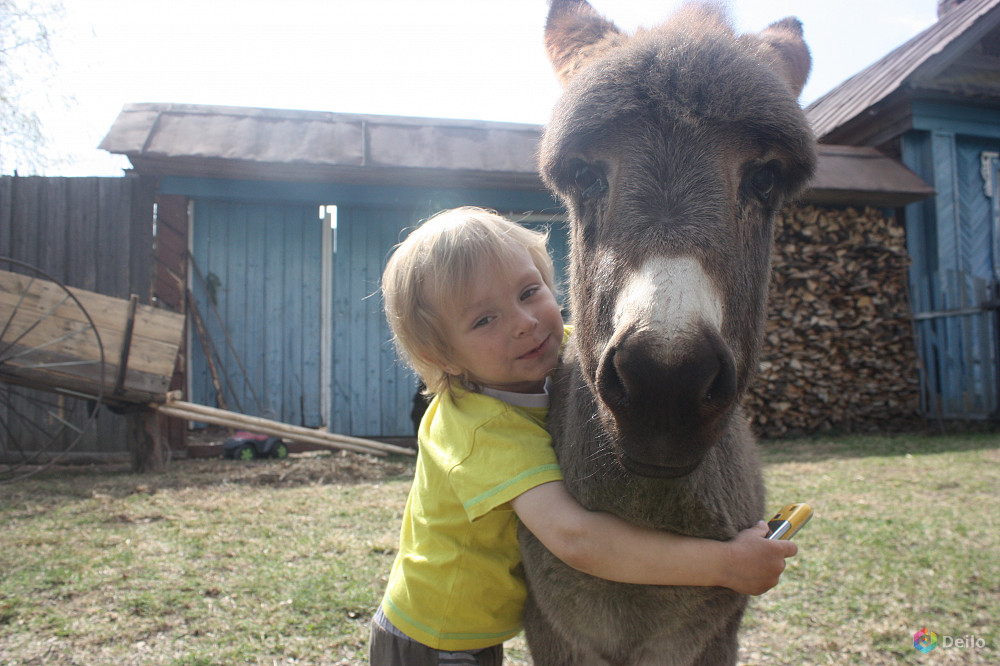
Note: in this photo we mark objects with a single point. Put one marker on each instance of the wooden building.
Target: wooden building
(281, 222)
(294, 296)
(934, 104)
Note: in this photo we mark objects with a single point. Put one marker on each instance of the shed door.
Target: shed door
(259, 295)
(954, 282)
(372, 391)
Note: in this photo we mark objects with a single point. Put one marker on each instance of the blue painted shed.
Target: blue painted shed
(289, 219)
(280, 223)
(934, 103)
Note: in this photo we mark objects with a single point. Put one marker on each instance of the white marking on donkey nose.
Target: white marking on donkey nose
(669, 294)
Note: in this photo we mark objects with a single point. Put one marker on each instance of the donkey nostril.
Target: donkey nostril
(609, 381)
(723, 386)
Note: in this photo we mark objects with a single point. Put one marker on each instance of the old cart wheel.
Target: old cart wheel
(51, 370)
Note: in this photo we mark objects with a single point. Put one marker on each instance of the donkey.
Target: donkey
(671, 149)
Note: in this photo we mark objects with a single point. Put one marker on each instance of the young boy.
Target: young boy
(471, 303)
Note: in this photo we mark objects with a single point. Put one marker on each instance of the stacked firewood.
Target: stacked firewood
(839, 350)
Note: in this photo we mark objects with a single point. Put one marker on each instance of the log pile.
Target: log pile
(839, 351)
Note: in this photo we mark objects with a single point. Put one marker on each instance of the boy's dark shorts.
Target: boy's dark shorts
(391, 647)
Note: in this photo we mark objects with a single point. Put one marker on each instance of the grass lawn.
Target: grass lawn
(283, 562)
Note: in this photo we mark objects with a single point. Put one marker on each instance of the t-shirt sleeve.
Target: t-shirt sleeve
(510, 454)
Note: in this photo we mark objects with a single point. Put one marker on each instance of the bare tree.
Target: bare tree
(26, 63)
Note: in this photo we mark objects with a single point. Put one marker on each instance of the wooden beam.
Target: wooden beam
(205, 414)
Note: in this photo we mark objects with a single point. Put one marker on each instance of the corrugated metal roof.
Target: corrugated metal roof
(929, 51)
(310, 146)
(237, 142)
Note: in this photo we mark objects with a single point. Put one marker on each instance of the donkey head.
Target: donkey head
(672, 149)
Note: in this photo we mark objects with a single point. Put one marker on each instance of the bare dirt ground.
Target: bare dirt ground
(301, 468)
(309, 467)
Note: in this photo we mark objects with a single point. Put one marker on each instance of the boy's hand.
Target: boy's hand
(755, 562)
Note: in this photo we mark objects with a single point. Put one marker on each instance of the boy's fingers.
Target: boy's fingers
(788, 547)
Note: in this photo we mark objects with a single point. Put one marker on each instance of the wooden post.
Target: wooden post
(146, 443)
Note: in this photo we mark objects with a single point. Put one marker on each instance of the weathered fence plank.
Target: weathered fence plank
(91, 233)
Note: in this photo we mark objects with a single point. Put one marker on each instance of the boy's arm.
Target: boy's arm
(603, 545)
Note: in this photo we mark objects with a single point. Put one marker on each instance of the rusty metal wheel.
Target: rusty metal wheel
(51, 370)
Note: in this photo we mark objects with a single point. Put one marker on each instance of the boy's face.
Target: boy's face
(505, 329)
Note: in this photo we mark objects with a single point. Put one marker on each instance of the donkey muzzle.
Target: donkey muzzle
(669, 399)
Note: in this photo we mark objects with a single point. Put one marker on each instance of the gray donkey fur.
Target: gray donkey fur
(671, 149)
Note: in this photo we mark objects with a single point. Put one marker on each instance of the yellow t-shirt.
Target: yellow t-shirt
(457, 582)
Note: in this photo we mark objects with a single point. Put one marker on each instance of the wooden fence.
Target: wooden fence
(92, 233)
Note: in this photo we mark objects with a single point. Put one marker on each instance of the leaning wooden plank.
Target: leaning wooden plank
(172, 409)
(205, 414)
(250, 422)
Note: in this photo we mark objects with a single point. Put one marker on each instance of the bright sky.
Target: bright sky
(474, 59)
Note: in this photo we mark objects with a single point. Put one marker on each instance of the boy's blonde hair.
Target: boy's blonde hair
(437, 261)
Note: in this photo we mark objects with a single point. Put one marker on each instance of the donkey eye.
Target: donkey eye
(764, 179)
(589, 179)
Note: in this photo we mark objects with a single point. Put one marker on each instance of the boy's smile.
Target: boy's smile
(505, 328)
(537, 351)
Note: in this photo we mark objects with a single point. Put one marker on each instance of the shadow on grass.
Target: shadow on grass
(822, 448)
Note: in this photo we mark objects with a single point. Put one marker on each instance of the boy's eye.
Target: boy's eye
(529, 292)
(482, 321)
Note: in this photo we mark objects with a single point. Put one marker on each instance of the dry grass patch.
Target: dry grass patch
(283, 562)
(213, 562)
(905, 536)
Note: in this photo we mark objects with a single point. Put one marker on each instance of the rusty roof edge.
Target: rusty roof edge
(874, 199)
(216, 168)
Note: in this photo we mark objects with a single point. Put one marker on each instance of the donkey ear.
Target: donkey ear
(786, 51)
(575, 34)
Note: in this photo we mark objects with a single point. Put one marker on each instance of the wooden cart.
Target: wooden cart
(64, 351)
